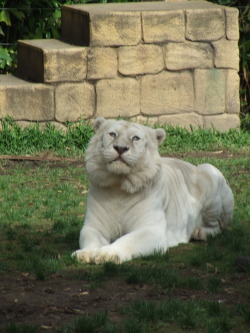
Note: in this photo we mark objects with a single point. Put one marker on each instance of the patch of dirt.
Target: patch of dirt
(11, 161)
(59, 300)
(8, 163)
(62, 298)
(208, 154)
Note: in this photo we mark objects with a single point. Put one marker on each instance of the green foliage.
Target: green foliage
(31, 18)
(73, 141)
(181, 140)
(5, 58)
(15, 140)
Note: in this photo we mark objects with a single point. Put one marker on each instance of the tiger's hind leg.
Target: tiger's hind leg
(218, 203)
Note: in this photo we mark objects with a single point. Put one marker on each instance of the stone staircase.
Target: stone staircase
(168, 62)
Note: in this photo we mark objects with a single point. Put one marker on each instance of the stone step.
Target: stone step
(118, 24)
(22, 100)
(51, 61)
(173, 63)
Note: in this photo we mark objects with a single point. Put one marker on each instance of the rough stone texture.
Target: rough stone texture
(188, 55)
(22, 100)
(102, 63)
(141, 59)
(226, 54)
(79, 21)
(119, 97)
(210, 90)
(163, 26)
(222, 122)
(72, 61)
(169, 62)
(232, 24)
(148, 121)
(43, 61)
(185, 120)
(114, 29)
(232, 92)
(74, 101)
(167, 93)
(205, 24)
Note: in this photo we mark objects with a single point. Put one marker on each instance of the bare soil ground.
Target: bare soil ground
(59, 300)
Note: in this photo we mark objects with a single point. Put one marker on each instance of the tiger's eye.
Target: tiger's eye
(112, 134)
(135, 138)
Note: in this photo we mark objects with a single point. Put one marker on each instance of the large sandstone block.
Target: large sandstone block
(114, 29)
(167, 93)
(163, 26)
(100, 25)
(226, 54)
(205, 24)
(141, 59)
(188, 55)
(102, 63)
(119, 97)
(23, 100)
(232, 24)
(185, 120)
(147, 121)
(222, 122)
(232, 91)
(74, 101)
(51, 61)
(210, 90)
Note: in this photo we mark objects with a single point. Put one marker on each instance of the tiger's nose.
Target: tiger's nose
(121, 149)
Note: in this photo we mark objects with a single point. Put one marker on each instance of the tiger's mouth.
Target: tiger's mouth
(119, 159)
(119, 166)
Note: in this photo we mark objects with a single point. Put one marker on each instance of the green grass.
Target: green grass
(34, 139)
(15, 328)
(182, 140)
(40, 208)
(88, 323)
(41, 212)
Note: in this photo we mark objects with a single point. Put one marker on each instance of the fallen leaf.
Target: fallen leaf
(84, 192)
(230, 291)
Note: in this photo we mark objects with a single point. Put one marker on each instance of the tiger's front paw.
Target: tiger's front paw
(106, 257)
(85, 256)
(107, 254)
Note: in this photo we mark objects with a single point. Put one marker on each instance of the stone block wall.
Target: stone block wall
(168, 62)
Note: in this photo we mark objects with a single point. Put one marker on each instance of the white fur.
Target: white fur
(140, 202)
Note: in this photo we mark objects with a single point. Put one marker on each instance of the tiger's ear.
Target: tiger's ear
(160, 135)
(98, 123)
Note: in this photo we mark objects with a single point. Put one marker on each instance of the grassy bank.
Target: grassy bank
(195, 287)
(73, 142)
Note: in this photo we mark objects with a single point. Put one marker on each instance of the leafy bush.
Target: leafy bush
(29, 20)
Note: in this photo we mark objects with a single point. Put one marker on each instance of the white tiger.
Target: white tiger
(139, 202)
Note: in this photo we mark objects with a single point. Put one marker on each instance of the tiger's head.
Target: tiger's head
(123, 153)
